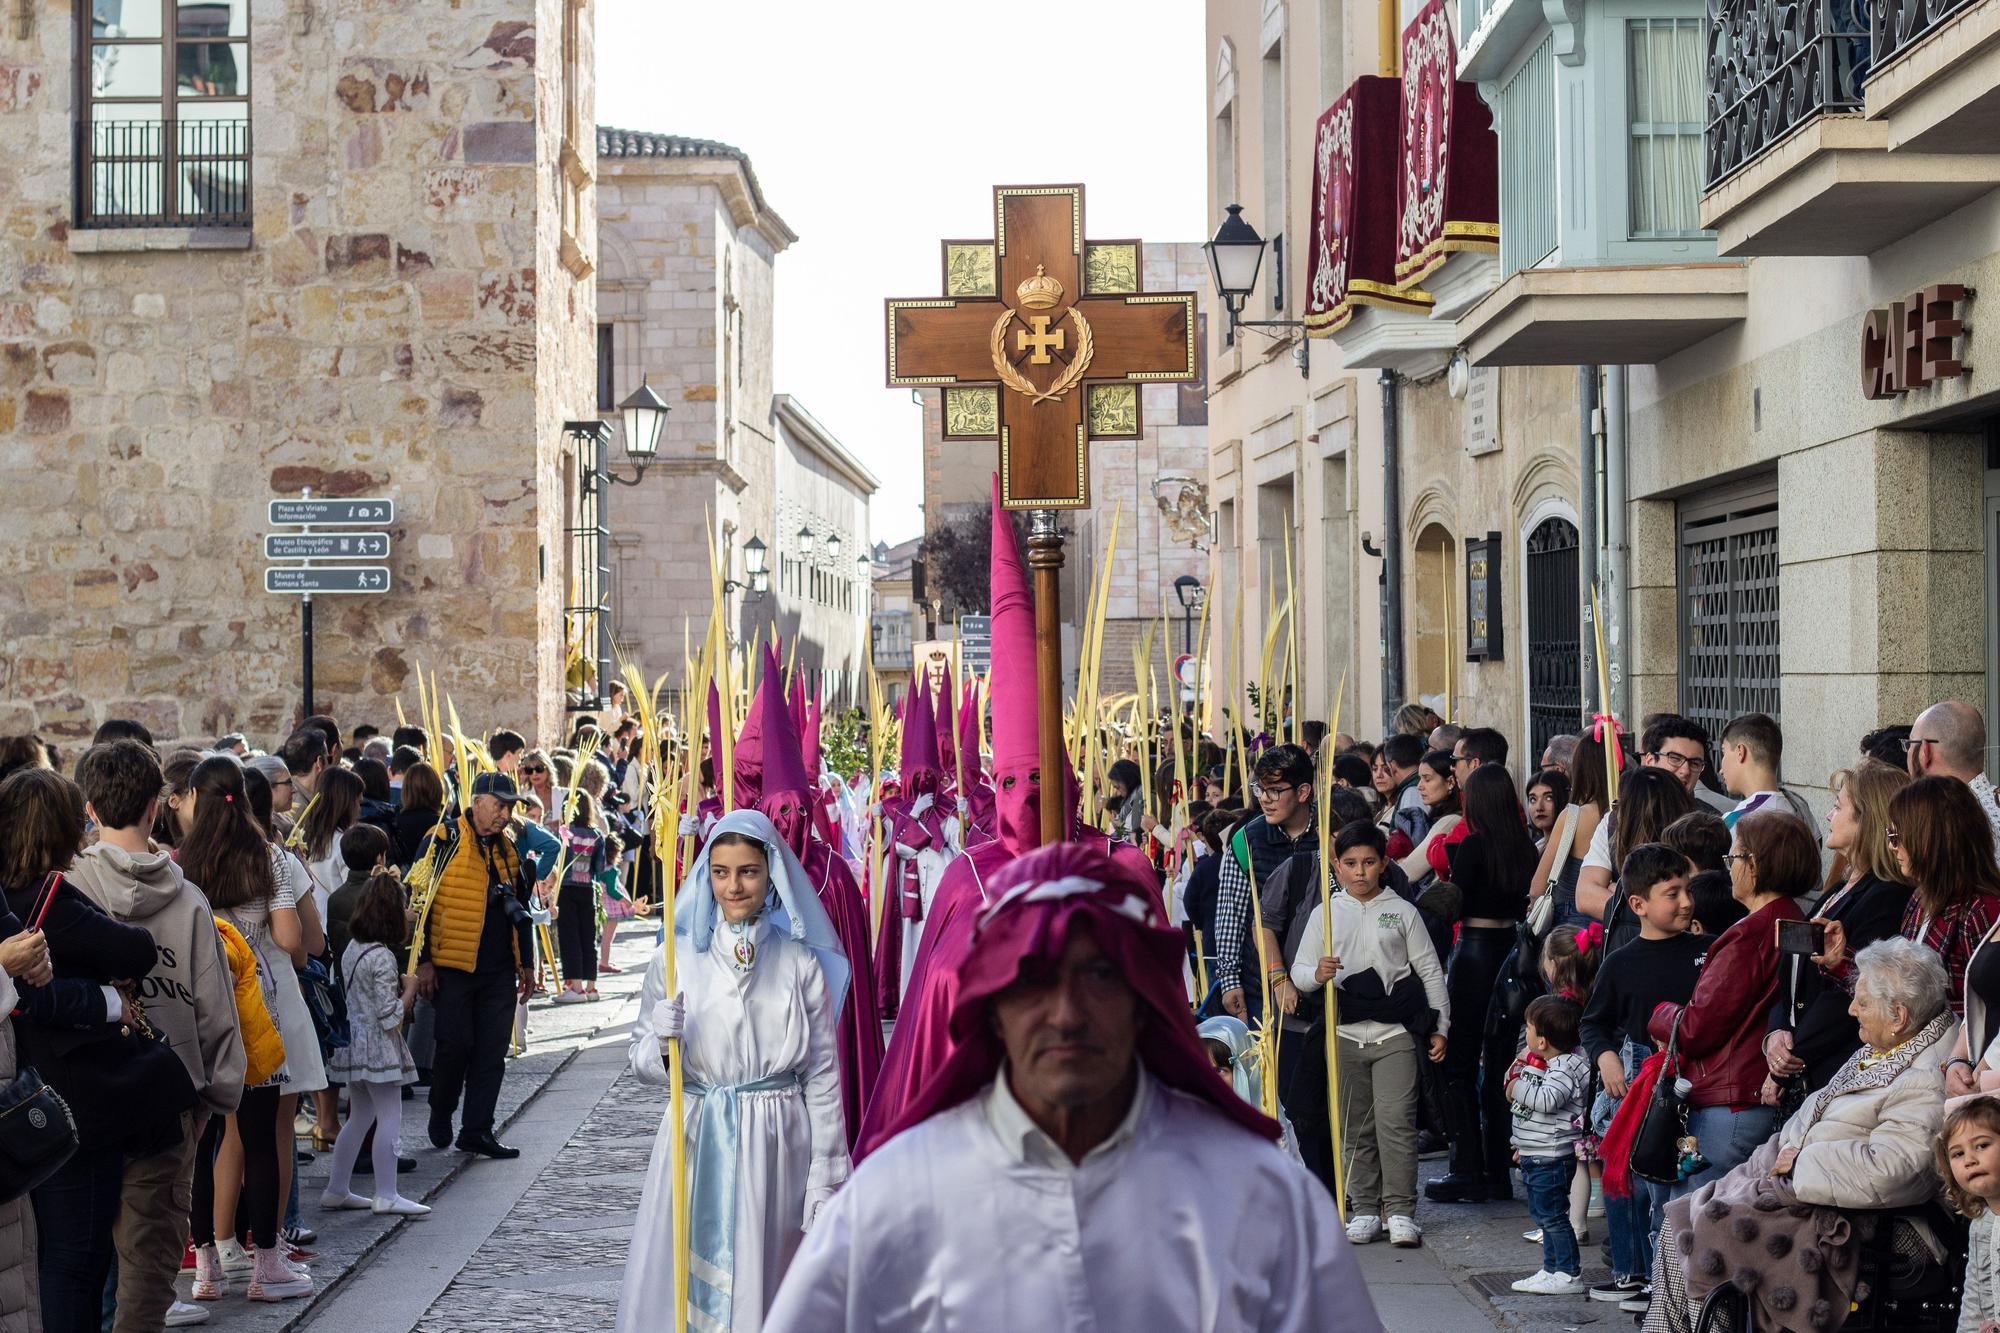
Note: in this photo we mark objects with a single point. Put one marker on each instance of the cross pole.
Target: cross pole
(1041, 343)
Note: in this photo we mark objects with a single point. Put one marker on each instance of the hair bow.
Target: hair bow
(1600, 723)
(1590, 937)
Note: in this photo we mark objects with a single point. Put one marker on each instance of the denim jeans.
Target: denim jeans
(75, 1210)
(1548, 1180)
(1649, 1211)
(1726, 1138)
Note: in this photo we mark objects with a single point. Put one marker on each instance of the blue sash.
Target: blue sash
(712, 1195)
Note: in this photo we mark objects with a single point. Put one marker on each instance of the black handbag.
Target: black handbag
(37, 1134)
(1656, 1145)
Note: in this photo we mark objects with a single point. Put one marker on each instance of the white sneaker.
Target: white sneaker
(336, 1202)
(1532, 1237)
(1545, 1283)
(1405, 1232)
(568, 996)
(400, 1207)
(235, 1259)
(1364, 1230)
(181, 1313)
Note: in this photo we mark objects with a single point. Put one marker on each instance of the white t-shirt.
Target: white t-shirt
(1599, 855)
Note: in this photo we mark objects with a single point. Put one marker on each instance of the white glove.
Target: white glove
(816, 1199)
(670, 1018)
(689, 826)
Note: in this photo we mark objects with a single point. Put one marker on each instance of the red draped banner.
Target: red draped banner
(1448, 191)
(1354, 222)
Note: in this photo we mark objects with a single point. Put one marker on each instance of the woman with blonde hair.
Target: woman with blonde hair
(1815, 1032)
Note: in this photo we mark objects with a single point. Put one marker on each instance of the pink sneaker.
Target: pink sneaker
(210, 1282)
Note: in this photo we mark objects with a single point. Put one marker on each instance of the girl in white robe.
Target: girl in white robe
(766, 1143)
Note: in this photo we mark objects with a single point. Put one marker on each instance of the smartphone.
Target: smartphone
(1803, 938)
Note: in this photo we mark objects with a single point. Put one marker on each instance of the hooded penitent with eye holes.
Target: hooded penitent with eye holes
(922, 1038)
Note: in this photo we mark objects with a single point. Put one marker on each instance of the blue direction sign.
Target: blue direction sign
(326, 546)
(975, 644)
(326, 579)
(333, 513)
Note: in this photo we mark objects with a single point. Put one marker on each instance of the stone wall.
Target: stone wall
(394, 323)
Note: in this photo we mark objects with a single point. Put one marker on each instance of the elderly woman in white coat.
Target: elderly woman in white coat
(1774, 1228)
(761, 978)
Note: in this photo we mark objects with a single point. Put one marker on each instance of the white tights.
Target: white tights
(369, 1104)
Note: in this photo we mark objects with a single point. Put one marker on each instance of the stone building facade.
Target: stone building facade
(344, 248)
(1298, 465)
(686, 301)
(1154, 482)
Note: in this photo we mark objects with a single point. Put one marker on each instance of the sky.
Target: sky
(878, 129)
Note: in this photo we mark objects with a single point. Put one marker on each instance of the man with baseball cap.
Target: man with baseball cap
(476, 962)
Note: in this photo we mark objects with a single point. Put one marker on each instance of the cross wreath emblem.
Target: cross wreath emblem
(1042, 341)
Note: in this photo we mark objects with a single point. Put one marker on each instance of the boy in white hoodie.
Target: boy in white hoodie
(1379, 942)
(190, 996)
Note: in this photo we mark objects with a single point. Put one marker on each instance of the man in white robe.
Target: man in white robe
(1077, 1166)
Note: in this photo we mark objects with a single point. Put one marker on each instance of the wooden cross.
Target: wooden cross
(1042, 341)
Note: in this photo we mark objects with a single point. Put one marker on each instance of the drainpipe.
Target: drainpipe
(1392, 557)
(1617, 543)
(1587, 527)
(1389, 33)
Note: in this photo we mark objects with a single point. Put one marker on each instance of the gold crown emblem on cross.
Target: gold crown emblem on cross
(1040, 292)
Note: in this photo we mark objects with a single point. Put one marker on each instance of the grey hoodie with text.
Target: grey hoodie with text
(190, 995)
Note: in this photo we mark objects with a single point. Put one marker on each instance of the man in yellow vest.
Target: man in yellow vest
(476, 964)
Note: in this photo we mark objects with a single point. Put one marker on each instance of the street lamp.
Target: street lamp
(832, 547)
(754, 564)
(645, 417)
(1235, 253)
(1188, 589)
(806, 543)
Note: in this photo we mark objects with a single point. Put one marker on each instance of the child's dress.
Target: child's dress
(375, 1051)
(1979, 1304)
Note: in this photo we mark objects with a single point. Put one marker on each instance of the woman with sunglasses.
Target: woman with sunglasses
(1944, 847)
(538, 776)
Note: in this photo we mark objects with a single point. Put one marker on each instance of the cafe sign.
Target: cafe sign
(1910, 343)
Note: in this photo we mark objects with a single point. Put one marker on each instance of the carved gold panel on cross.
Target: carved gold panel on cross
(1048, 321)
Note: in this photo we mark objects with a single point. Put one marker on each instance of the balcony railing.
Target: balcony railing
(163, 173)
(1775, 64)
(1900, 23)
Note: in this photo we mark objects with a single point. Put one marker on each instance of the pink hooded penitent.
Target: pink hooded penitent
(919, 734)
(789, 793)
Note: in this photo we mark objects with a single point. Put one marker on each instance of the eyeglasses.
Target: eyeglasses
(286, 783)
(1260, 791)
(1912, 742)
(533, 768)
(1893, 836)
(1731, 858)
(1680, 763)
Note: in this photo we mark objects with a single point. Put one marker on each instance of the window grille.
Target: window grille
(1730, 659)
(163, 123)
(1555, 633)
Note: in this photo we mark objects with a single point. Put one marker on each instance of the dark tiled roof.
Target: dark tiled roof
(642, 143)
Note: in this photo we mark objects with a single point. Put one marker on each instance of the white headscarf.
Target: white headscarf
(792, 907)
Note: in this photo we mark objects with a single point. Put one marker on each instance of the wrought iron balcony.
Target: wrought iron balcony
(1898, 24)
(163, 173)
(1775, 64)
